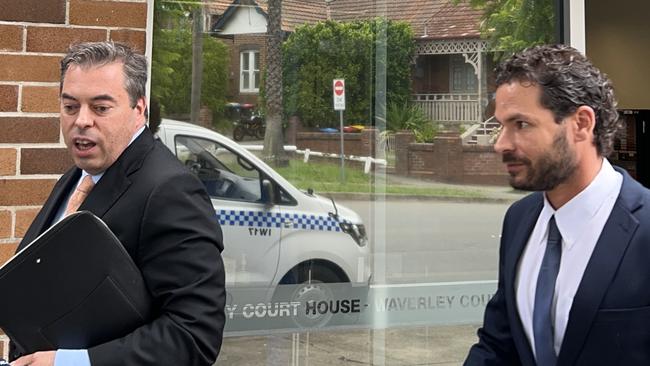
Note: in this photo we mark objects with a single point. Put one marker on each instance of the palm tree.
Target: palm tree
(273, 139)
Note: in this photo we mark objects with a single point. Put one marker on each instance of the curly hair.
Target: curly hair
(567, 80)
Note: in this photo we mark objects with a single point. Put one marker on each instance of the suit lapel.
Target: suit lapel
(115, 180)
(522, 231)
(46, 215)
(601, 269)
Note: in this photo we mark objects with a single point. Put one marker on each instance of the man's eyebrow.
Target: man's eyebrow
(103, 97)
(516, 117)
(94, 99)
(67, 96)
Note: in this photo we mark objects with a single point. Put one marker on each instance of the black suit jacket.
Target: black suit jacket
(609, 321)
(163, 216)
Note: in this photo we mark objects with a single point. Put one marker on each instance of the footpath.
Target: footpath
(477, 193)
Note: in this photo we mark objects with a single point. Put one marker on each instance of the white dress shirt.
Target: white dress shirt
(580, 221)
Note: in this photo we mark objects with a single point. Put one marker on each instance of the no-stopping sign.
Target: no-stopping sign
(338, 86)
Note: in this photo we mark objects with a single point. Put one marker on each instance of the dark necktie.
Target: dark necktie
(543, 326)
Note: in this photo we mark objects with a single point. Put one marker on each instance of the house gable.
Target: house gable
(242, 17)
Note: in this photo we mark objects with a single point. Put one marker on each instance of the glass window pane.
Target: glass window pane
(245, 80)
(245, 56)
(377, 248)
(225, 174)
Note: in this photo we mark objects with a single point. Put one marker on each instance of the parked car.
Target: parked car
(274, 234)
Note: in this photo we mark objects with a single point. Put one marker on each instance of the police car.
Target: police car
(273, 233)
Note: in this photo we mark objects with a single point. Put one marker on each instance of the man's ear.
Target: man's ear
(584, 123)
(140, 108)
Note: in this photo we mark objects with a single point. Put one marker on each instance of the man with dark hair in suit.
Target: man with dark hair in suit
(573, 263)
(159, 211)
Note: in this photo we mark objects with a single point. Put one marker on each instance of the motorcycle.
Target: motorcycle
(248, 122)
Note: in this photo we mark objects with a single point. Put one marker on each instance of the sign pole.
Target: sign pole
(342, 150)
(338, 88)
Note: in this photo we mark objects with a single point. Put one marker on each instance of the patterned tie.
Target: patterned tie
(79, 195)
(543, 326)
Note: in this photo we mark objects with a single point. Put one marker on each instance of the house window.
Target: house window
(249, 79)
(463, 77)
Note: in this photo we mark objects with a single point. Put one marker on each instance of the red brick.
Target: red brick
(5, 224)
(24, 218)
(55, 39)
(29, 130)
(42, 99)
(37, 11)
(11, 38)
(8, 98)
(7, 161)
(44, 161)
(25, 192)
(135, 39)
(7, 250)
(108, 13)
(29, 68)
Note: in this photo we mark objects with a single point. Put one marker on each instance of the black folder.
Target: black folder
(73, 287)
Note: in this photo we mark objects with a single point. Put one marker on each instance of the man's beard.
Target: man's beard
(552, 168)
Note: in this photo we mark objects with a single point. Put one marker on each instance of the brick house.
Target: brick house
(450, 72)
(241, 24)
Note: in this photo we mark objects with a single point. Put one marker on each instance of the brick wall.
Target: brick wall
(420, 162)
(33, 36)
(481, 165)
(358, 144)
(447, 160)
(239, 43)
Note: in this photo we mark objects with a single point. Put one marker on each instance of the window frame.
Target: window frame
(251, 71)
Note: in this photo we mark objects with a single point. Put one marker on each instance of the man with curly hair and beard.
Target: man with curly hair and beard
(573, 262)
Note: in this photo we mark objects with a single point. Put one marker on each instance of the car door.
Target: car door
(251, 228)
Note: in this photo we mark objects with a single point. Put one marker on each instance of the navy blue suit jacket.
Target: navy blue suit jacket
(609, 321)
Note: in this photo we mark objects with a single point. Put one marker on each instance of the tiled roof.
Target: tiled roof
(217, 6)
(452, 21)
(430, 19)
(299, 12)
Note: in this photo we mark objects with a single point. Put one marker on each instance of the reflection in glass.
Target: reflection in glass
(422, 188)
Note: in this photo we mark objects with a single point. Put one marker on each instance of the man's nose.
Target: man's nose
(504, 141)
(84, 118)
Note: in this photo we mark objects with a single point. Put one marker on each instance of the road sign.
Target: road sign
(338, 86)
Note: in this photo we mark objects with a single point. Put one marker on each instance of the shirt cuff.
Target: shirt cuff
(71, 357)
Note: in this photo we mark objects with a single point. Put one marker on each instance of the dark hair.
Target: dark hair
(568, 80)
(102, 53)
(154, 115)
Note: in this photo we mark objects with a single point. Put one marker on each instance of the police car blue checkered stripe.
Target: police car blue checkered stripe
(275, 219)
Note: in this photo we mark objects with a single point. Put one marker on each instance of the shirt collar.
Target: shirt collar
(97, 177)
(574, 217)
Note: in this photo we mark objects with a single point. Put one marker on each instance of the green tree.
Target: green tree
(512, 25)
(171, 64)
(315, 54)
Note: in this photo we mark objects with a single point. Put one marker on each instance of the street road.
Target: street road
(432, 241)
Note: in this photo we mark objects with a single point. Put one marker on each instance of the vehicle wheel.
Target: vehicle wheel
(312, 281)
(238, 133)
(259, 132)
